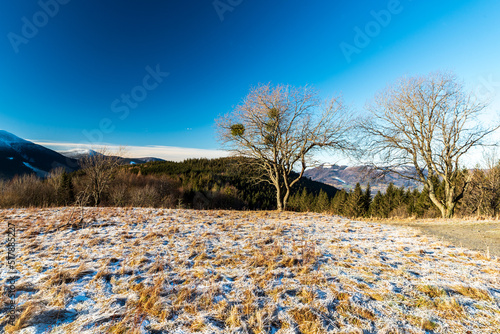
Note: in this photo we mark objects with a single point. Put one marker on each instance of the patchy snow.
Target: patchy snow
(186, 271)
(338, 179)
(39, 172)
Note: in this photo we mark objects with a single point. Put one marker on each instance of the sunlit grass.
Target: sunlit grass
(134, 270)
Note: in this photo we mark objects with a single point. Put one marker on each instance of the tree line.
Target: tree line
(227, 183)
(224, 183)
(482, 199)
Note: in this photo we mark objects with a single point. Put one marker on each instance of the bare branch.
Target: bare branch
(427, 123)
(282, 128)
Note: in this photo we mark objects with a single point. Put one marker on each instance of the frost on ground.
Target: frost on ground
(184, 271)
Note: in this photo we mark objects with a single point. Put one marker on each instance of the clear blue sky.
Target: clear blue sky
(72, 74)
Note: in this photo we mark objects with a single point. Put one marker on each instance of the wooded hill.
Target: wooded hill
(224, 183)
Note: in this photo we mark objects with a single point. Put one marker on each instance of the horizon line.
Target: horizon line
(172, 153)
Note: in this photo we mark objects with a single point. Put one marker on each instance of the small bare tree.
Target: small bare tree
(99, 167)
(281, 128)
(421, 127)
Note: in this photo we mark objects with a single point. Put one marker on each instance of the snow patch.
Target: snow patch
(339, 179)
(39, 172)
(139, 250)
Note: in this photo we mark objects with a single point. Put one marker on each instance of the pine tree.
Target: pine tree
(390, 196)
(422, 203)
(410, 202)
(306, 202)
(367, 199)
(356, 202)
(322, 202)
(65, 193)
(339, 202)
(293, 202)
(377, 206)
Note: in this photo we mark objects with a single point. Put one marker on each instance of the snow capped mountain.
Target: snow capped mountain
(79, 153)
(8, 140)
(19, 156)
(346, 177)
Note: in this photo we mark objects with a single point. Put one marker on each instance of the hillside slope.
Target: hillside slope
(19, 157)
(231, 174)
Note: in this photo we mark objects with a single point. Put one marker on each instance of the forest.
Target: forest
(229, 183)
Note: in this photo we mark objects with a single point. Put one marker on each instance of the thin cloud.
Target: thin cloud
(171, 153)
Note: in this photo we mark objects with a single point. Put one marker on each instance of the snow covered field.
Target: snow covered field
(184, 271)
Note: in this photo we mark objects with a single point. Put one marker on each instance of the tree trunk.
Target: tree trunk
(279, 200)
(450, 211)
(451, 203)
(285, 199)
(437, 203)
(447, 209)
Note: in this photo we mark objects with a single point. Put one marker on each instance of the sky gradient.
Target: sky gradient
(157, 73)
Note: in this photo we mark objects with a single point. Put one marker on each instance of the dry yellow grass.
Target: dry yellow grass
(146, 270)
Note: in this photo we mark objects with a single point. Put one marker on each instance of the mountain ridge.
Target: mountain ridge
(19, 157)
(345, 177)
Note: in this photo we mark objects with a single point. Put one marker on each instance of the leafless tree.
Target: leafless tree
(483, 194)
(99, 167)
(281, 128)
(421, 128)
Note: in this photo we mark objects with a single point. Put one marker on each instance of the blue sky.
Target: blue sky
(157, 73)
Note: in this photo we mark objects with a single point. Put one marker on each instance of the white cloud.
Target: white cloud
(171, 153)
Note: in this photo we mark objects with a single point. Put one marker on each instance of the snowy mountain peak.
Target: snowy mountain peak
(7, 139)
(79, 153)
(19, 157)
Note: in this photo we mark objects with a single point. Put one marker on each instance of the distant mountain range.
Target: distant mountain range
(19, 157)
(82, 153)
(345, 177)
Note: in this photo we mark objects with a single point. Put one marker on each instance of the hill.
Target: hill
(231, 176)
(19, 157)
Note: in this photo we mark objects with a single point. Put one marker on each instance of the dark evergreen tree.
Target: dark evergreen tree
(356, 203)
(367, 199)
(377, 206)
(322, 202)
(65, 193)
(339, 202)
(422, 203)
(305, 201)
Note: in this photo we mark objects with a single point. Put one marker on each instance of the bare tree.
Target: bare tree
(281, 128)
(99, 167)
(421, 128)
